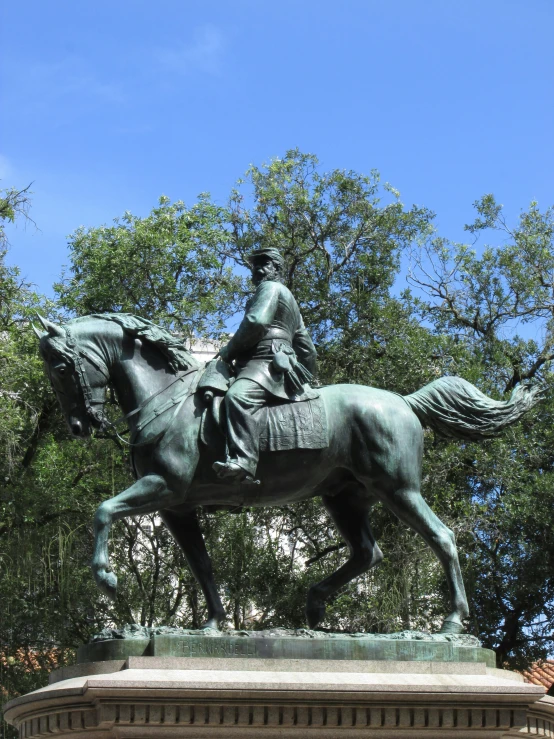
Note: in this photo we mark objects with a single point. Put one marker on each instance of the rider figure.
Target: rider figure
(274, 359)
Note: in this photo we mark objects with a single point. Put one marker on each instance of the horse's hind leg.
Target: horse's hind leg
(187, 533)
(349, 511)
(410, 507)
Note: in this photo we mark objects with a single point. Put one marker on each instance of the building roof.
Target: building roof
(540, 673)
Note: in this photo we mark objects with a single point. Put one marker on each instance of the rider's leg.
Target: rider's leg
(187, 533)
(243, 403)
(349, 510)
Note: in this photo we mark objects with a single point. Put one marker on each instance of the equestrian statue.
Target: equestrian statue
(252, 428)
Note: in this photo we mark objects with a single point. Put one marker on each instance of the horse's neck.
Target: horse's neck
(139, 372)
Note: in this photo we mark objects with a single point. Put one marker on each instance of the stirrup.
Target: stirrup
(249, 480)
(234, 472)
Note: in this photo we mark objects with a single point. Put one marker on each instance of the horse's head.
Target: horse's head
(78, 374)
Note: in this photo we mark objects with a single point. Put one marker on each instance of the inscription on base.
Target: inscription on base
(208, 647)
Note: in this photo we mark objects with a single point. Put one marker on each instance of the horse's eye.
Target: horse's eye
(61, 370)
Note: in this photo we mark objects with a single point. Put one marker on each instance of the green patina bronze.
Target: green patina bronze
(374, 438)
(274, 359)
(406, 646)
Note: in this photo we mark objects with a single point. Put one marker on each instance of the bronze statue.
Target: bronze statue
(274, 358)
(363, 446)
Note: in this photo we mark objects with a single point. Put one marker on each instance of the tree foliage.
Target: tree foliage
(497, 304)
(169, 266)
(342, 245)
(485, 313)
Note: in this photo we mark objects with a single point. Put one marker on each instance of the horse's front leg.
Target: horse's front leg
(147, 495)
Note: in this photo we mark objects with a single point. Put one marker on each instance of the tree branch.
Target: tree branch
(324, 553)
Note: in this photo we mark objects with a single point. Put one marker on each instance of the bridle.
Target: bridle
(94, 407)
(97, 416)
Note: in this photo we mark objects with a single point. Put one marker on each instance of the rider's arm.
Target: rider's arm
(257, 320)
(305, 349)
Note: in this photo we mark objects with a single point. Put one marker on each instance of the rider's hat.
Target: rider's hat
(267, 251)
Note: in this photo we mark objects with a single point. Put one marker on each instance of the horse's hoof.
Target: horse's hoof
(315, 613)
(107, 583)
(211, 623)
(451, 627)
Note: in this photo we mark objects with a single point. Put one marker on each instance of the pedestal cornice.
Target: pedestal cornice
(198, 697)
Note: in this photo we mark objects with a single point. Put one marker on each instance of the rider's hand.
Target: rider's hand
(224, 354)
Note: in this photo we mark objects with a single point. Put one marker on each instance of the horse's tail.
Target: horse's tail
(456, 409)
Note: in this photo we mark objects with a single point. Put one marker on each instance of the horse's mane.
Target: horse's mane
(171, 346)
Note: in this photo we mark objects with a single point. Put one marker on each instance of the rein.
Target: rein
(175, 400)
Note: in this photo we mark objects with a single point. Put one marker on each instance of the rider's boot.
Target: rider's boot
(233, 472)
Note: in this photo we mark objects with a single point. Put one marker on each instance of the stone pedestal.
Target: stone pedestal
(248, 696)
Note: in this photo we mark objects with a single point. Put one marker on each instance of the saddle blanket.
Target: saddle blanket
(300, 425)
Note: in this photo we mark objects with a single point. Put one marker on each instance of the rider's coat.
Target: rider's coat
(272, 322)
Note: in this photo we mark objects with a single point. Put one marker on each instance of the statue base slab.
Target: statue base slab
(203, 697)
(278, 643)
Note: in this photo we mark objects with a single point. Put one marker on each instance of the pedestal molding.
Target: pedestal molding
(136, 702)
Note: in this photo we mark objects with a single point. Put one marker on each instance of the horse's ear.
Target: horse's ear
(52, 328)
(38, 334)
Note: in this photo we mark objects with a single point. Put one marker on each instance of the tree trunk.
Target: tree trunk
(236, 615)
(511, 628)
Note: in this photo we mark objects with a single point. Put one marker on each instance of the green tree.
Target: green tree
(169, 266)
(14, 204)
(343, 236)
(498, 306)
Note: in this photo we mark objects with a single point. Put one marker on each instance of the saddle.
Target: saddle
(286, 425)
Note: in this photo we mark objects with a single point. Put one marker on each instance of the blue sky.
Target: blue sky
(107, 105)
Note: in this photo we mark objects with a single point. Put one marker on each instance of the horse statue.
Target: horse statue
(373, 451)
